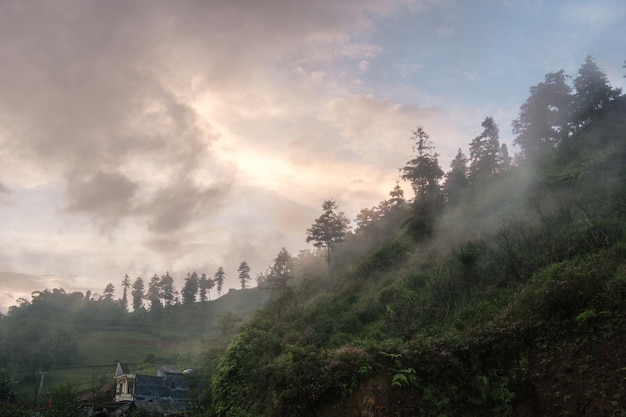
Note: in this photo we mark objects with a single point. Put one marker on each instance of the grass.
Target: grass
(181, 343)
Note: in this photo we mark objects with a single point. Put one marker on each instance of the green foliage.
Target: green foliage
(543, 117)
(390, 254)
(565, 289)
(6, 393)
(68, 351)
(445, 323)
(64, 402)
(404, 378)
(13, 410)
(484, 152)
(328, 229)
(400, 377)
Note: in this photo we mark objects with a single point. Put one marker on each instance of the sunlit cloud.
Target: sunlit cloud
(139, 137)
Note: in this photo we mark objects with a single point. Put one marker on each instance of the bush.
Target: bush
(64, 402)
(563, 289)
(13, 410)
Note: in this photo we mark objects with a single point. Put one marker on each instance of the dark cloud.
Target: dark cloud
(17, 285)
(105, 196)
(163, 245)
(87, 97)
(175, 207)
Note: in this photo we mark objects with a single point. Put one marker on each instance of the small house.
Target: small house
(168, 390)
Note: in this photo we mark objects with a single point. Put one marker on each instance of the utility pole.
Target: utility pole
(40, 387)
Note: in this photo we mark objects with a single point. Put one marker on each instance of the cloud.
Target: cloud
(175, 207)
(17, 285)
(106, 196)
(199, 133)
(99, 94)
(21, 282)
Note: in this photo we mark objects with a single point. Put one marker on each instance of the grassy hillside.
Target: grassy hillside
(513, 306)
(179, 338)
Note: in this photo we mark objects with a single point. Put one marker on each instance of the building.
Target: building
(167, 391)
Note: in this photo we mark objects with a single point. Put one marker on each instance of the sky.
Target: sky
(140, 137)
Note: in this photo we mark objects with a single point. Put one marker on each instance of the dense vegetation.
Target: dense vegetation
(498, 289)
(500, 294)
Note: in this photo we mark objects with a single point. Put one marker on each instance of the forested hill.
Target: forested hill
(75, 341)
(499, 290)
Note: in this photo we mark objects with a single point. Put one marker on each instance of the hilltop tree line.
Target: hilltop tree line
(551, 116)
(556, 110)
(161, 291)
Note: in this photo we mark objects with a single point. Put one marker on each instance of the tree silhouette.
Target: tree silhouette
(204, 287)
(190, 289)
(125, 285)
(219, 277)
(397, 196)
(329, 229)
(168, 292)
(484, 152)
(137, 293)
(108, 292)
(456, 179)
(423, 171)
(543, 117)
(244, 274)
(593, 92)
(280, 270)
(153, 295)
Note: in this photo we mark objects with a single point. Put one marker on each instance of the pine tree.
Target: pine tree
(456, 182)
(108, 292)
(190, 289)
(484, 152)
(244, 274)
(168, 292)
(424, 173)
(593, 93)
(543, 118)
(125, 285)
(329, 229)
(137, 293)
(203, 285)
(397, 196)
(280, 270)
(219, 278)
(153, 295)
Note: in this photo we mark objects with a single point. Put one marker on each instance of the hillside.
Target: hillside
(511, 304)
(77, 342)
